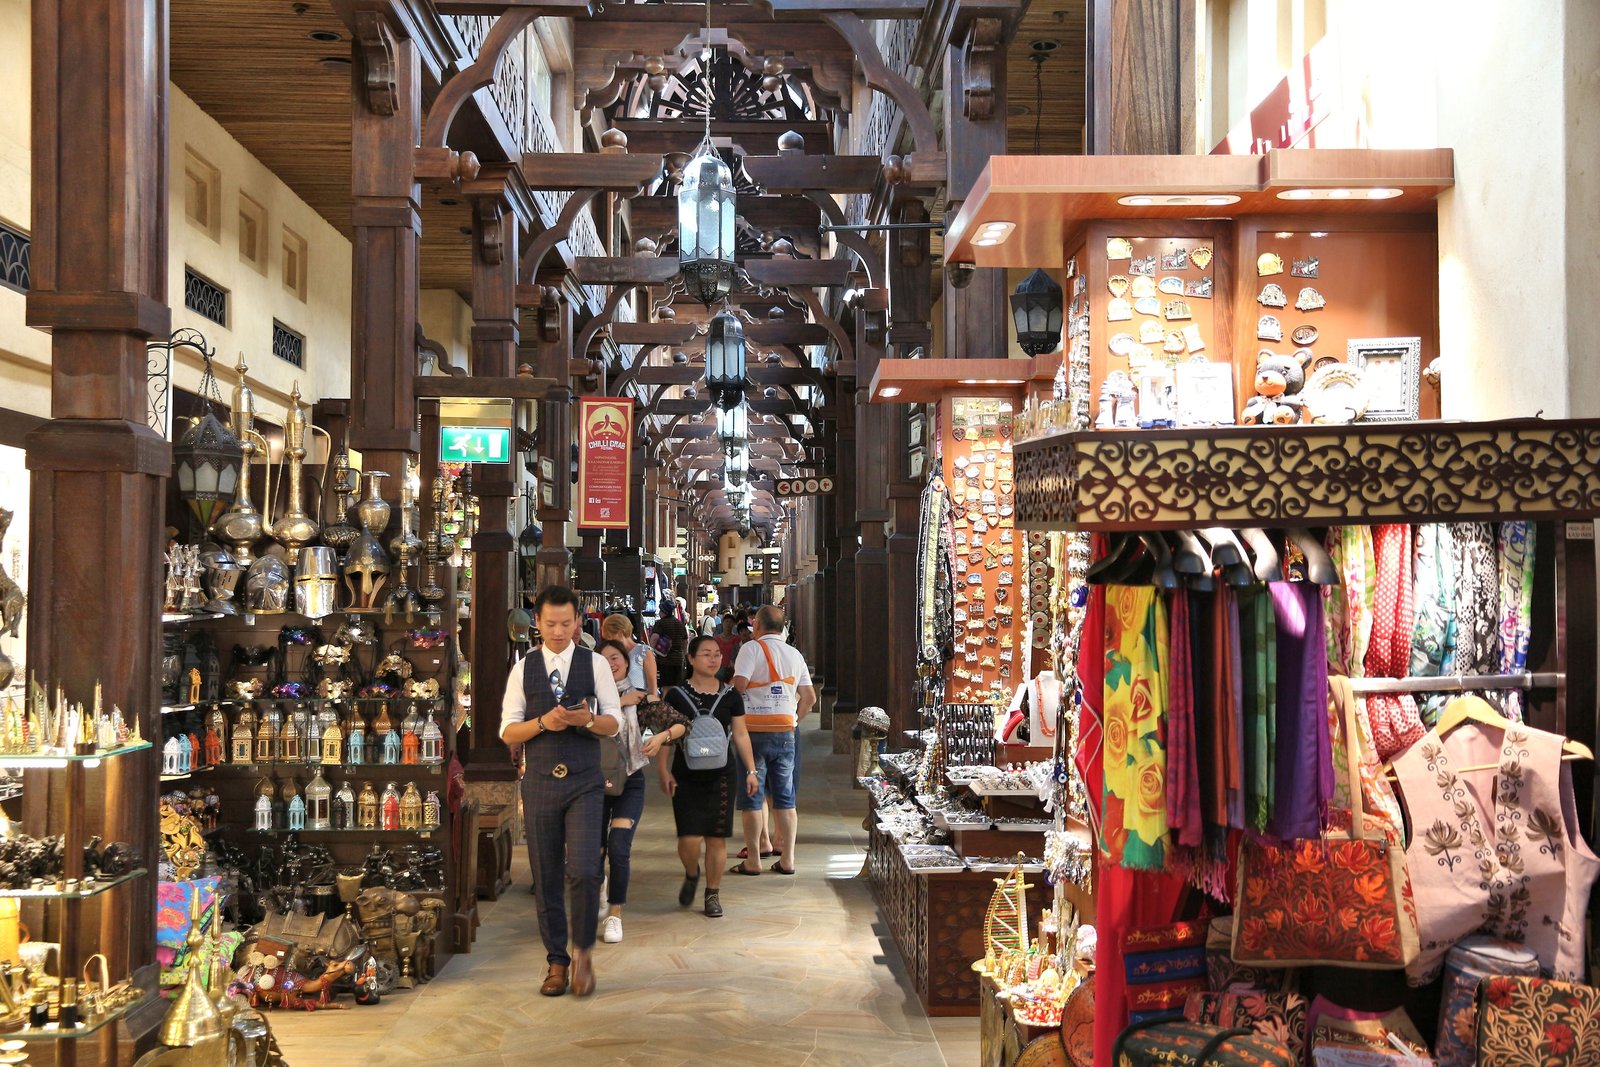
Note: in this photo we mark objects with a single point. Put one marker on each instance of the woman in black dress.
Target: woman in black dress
(702, 801)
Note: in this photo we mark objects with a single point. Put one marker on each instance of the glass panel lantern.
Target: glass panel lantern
(725, 361)
(705, 226)
(207, 459)
(1036, 313)
(733, 426)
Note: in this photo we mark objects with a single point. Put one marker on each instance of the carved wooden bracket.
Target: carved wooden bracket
(477, 75)
(550, 316)
(490, 240)
(375, 44)
(445, 164)
(891, 83)
(981, 54)
(539, 247)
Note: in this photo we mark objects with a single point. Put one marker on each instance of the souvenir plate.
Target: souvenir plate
(1272, 296)
(1201, 257)
(1269, 263)
(1310, 300)
(1304, 334)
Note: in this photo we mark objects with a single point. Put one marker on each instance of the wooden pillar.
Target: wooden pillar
(846, 532)
(975, 314)
(495, 337)
(551, 357)
(873, 426)
(99, 472)
(910, 310)
(1141, 77)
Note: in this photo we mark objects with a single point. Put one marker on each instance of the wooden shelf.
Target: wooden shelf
(1276, 476)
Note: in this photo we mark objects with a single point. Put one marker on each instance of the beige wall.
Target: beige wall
(255, 299)
(24, 353)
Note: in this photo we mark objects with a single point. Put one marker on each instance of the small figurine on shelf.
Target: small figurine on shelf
(344, 808)
(242, 746)
(216, 728)
(185, 754)
(432, 742)
(289, 742)
(367, 808)
(410, 808)
(169, 756)
(296, 817)
(430, 811)
(309, 735)
(391, 807)
(332, 742)
(267, 737)
(318, 802)
(391, 748)
(263, 813)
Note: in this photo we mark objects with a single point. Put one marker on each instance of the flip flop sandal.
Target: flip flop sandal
(739, 868)
(777, 868)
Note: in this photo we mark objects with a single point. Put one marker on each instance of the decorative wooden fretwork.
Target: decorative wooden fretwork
(1309, 475)
(15, 255)
(732, 90)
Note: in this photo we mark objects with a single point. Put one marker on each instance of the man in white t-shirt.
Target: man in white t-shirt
(778, 694)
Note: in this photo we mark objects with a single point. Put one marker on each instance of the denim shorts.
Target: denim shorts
(776, 761)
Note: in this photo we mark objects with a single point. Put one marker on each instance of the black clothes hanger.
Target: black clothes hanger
(1229, 554)
(1268, 565)
(1190, 555)
(1162, 573)
(1116, 557)
(1319, 565)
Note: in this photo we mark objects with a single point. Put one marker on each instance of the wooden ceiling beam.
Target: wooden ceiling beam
(688, 374)
(612, 172)
(625, 270)
(782, 272)
(800, 173)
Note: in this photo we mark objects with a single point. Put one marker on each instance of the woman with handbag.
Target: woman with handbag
(620, 818)
(701, 786)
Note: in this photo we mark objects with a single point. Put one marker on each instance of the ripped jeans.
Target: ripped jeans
(619, 840)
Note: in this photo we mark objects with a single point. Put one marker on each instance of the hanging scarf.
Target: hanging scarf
(1394, 718)
(1087, 755)
(1516, 606)
(1183, 783)
(1135, 757)
(1304, 774)
(935, 612)
(1477, 595)
(1433, 635)
(1259, 653)
(1349, 604)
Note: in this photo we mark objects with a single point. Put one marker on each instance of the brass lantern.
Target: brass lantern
(705, 225)
(1036, 312)
(725, 361)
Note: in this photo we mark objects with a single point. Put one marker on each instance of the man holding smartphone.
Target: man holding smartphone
(560, 700)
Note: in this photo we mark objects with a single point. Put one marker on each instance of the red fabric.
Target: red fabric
(1091, 695)
(1183, 767)
(1394, 718)
(1124, 901)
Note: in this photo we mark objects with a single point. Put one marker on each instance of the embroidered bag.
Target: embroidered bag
(1343, 898)
(1537, 1022)
(1226, 974)
(1468, 964)
(1279, 1016)
(1331, 1026)
(705, 747)
(1180, 1043)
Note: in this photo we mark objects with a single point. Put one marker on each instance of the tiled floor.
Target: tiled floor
(799, 972)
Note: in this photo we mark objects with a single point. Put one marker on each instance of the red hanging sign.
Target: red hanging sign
(605, 454)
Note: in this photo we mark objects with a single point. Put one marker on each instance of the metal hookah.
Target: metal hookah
(340, 534)
(366, 556)
(241, 525)
(295, 528)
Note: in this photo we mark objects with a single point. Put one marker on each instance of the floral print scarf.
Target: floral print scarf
(1135, 746)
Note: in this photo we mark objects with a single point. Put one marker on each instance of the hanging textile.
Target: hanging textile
(1125, 901)
(1135, 757)
(1477, 588)
(1394, 718)
(1088, 754)
(1433, 635)
(1223, 725)
(1183, 777)
(1304, 753)
(1515, 545)
(1349, 604)
(1259, 654)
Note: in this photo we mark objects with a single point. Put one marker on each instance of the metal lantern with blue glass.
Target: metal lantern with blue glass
(1036, 313)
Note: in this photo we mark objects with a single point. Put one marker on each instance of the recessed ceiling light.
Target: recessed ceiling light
(889, 392)
(1297, 194)
(989, 242)
(1383, 194)
(340, 63)
(1177, 199)
(1137, 201)
(1338, 194)
(1283, 234)
(1218, 201)
(324, 36)
(1319, 233)
(449, 201)
(1378, 193)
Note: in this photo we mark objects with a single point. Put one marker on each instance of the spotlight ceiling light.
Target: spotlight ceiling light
(889, 392)
(1177, 199)
(993, 233)
(1375, 193)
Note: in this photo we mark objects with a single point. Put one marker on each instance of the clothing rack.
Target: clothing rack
(1455, 683)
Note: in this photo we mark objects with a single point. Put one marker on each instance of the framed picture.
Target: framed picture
(1205, 393)
(1391, 371)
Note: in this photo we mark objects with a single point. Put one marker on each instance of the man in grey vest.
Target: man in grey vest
(560, 700)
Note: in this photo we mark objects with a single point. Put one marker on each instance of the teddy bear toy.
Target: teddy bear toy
(1279, 380)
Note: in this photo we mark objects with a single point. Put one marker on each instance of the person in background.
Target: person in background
(643, 666)
(671, 627)
(703, 801)
(559, 710)
(776, 684)
(621, 814)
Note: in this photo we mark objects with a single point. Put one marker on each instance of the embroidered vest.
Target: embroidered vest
(577, 749)
(1495, 851)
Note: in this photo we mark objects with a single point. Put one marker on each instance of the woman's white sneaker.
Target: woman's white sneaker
(611, 929)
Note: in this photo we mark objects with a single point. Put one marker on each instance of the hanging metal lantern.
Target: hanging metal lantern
(733, 426)
(207, 458)
(705, 225)
(725, 361)
(1036, 312)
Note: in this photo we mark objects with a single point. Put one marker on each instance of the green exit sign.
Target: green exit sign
(474, 444)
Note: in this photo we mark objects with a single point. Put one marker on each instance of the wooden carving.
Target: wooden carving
(981, 55)
(490, 238)
(375, 43)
